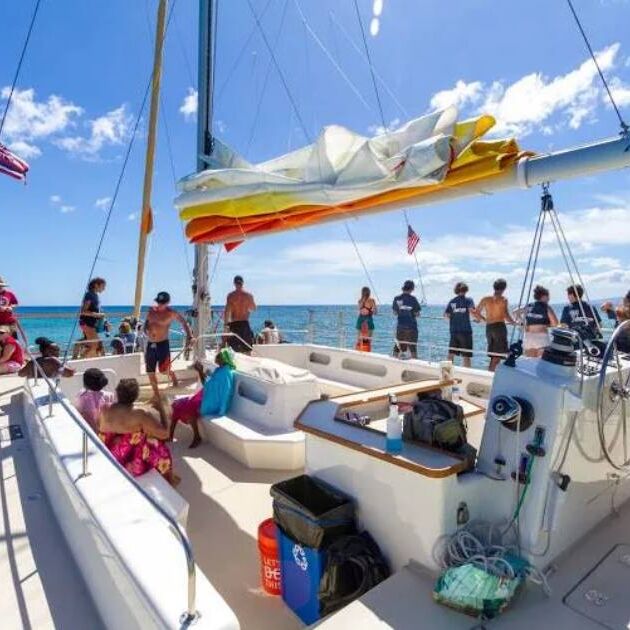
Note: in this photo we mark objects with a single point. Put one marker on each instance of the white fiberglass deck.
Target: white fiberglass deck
(227, 503)
(41, 586)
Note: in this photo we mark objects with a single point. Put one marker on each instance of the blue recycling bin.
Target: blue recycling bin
(301, 570)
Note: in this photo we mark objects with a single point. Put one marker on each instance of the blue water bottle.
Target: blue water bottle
(393, 443)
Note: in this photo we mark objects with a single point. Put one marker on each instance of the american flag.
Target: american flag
(11, 164)
(412, 240)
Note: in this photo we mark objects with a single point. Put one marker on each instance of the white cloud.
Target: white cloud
(375, 26)
(377, 7)
(377, 130)
(111, 129)
(188, 108)
(132, 217)
(620, 92)
(602, 262)
(29, 120)
(57, 202)
(529, 103)
(102, 203)
(462, 94)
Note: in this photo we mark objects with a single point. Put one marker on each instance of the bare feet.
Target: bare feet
(175, 480)
(196, 442)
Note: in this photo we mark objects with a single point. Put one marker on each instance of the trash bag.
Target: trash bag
(311, 512)
(474, 591)
(354, 565)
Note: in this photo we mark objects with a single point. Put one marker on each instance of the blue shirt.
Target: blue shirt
(407, 308)
(537, 314)
(459, 310)
(585, 325)
(217, 392)
(94, 306)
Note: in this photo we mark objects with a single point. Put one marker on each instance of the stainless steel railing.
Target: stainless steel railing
(88, 435)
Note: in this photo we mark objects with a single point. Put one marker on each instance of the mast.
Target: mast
(201, 295)
(146, 220)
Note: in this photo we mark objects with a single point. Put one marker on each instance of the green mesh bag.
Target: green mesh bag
(473, 591)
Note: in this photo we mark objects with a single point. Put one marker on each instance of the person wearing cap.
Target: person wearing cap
(238, 307)
(11, 352)
(157, 355)
(213, 399)
(7, 302)
(407, 310)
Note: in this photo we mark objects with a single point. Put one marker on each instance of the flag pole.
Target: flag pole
(146, 220)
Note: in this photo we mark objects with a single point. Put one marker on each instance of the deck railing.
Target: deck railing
(88, 435)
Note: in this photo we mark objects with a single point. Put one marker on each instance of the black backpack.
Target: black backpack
(436, 422)
(354, 565)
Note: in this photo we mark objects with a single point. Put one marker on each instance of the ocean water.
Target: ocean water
(333, 325)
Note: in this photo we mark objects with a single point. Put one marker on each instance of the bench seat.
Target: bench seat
(253, 445)
(162, 491)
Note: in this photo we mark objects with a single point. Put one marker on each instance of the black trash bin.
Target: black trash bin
(311, 512)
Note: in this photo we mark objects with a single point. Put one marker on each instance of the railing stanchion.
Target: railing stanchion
(84, 456)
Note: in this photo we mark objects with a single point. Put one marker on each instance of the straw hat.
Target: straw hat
(3, 283)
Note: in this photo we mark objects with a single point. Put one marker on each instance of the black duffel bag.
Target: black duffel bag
(439, 423)
(311, 512)
(354, 565)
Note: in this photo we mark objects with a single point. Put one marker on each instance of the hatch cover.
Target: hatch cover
(603, 595)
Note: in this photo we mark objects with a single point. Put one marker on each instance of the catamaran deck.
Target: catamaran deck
(228, 502)
(41, 585)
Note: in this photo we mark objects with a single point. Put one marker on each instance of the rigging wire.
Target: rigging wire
(384, 124)
(354, 45)
(365, 269)
(332, 60)
(280, 73)
(230, 73)
(624, 126)
(121, 175)
(19, 65)
(263, 90)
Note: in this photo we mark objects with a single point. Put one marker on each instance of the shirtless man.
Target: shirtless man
(493, 309)
(158, 352)
(238, 306)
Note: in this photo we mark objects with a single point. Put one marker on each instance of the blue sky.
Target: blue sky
(87, 68)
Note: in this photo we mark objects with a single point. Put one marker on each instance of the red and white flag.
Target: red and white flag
(412, 240)
(11, 164)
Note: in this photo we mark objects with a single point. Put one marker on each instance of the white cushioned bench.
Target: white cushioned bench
(162, 491)
(253, 445)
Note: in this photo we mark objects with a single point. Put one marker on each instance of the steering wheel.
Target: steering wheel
(612, 399)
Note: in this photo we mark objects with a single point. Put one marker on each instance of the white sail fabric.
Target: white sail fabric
(339, 167)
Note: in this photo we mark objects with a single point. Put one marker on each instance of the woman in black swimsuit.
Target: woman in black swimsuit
(365, 320)
(537, 317)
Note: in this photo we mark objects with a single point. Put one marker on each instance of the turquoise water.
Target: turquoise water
(333, 325)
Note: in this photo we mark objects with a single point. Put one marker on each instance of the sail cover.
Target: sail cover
(342, 174)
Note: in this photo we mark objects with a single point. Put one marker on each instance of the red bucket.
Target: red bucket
(269, 563)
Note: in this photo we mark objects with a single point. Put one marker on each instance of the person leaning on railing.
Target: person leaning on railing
(7, 302)
(48, 361)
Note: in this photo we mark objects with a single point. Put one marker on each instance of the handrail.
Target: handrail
(88, 433)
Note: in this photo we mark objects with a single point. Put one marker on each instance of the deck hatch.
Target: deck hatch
(603, 594)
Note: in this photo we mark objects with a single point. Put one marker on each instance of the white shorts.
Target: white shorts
(535, 340)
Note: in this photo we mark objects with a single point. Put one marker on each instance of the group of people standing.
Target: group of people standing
(536, 318)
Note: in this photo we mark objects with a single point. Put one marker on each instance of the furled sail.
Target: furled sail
(338, 176)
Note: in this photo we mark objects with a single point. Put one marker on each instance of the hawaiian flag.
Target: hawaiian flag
(12, 165)
(412, 240)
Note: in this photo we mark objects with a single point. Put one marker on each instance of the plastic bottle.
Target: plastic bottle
(393, 443)
(455, 393)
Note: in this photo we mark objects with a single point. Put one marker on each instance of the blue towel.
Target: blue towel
(217, 392)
